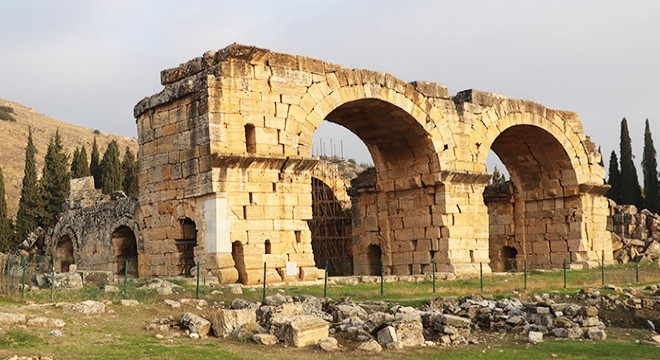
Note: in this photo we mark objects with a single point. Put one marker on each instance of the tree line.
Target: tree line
(42, 200)
(622, 177)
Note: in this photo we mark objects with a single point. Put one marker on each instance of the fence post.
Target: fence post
(564, 273)
(382, 277)
(481, 276)
(602, 269)
(23, 278)
(52, 279)
(197, 291)
(263, 297)
(433, 269)
(636, 269)
(325, 280)
(9, 283)
(125, 276)
(525, 272)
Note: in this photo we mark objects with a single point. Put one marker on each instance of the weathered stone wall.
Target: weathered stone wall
(90, 222)
(228, 142)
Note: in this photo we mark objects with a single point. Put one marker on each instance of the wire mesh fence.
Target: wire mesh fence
(40, 279)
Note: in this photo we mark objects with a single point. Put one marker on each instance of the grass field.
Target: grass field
(121, 334)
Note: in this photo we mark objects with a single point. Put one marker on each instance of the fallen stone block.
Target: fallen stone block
(89, 307)
(196, 324)
(305, 330)
(328, 344)
(45, 322)
(535, 337)
(370, 346)
(265, 339)
(225, 321)
(387, 335)
(12, 319)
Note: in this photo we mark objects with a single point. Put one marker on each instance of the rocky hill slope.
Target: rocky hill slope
(13, 139)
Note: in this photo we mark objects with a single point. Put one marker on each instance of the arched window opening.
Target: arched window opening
(267, 248)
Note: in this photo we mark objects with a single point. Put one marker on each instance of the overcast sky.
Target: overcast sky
(90, 62)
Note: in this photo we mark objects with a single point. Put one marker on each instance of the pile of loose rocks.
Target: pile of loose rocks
(372, 326)
(635, 235)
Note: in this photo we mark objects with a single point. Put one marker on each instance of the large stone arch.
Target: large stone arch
(557, 205)
(231, 135)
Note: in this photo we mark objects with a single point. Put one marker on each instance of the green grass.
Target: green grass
(121, 333)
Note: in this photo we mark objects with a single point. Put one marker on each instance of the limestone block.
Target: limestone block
(254, 276)
(309, 273)
(305, 330)
(226, 275)
(225, 321)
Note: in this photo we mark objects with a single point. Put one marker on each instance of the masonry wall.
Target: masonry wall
(228, 142)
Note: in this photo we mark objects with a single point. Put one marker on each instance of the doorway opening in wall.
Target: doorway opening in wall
(509, 258)
(239, 260)
(125, 249)
(374, 259)
(528, 213)
(185, 246)
(64, 253)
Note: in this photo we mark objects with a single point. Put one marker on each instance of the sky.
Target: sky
(90, 62)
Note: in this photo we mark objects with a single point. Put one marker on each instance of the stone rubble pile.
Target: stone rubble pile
(634, 234)
(372, 326)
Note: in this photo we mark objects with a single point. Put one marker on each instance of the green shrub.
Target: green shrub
(6, 113)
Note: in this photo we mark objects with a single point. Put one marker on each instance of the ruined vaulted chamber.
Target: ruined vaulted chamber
(226, 172)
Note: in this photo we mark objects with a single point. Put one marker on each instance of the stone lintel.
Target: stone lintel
(288, 163)
(594, 189)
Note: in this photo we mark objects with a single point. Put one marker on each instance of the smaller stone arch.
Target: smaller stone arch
(124, 244)
(64, 253)
(509, 256)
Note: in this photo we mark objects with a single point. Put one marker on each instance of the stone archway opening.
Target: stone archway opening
(64, 253)
(509, 260)
(532, 212)
(125, 250)
(385, 202)
(185, 246)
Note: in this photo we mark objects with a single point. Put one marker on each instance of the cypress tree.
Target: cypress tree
(75, 164)
(112, 176)
(614, 180)
(631, 193)
(95, 166)
(130, 168)
(6, 231)
(28, 205)
(650, 170)
(55, 183)
(83, 163)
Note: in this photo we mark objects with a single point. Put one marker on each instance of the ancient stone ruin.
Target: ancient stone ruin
(226, 173)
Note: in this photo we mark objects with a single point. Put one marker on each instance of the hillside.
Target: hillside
(13, 139)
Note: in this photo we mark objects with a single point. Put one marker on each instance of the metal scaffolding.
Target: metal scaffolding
(331, 228)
